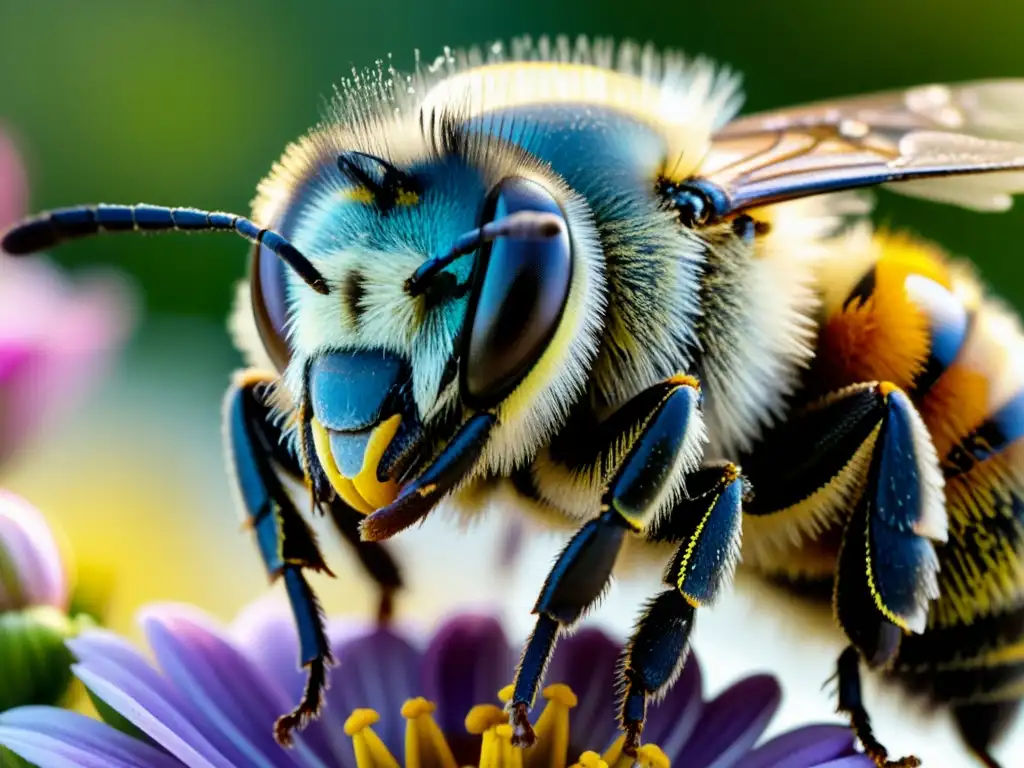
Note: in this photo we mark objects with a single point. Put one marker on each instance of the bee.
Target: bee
(567, 272)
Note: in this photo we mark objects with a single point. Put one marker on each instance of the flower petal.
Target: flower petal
(808, 746)
(852, 761)
(732, 723)
(154, 712)
(31, 567)
(376, 670)
(467, 662)
(587, 662)
(671, 722)
(221, 683)
(265, 630)
(56, 738)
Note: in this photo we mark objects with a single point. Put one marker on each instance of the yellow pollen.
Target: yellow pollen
(651, 756)
(485, 716)
(505, 694)
(562, 694)
(425, 744)
(417, 707)
(370, 750)
(886, 388)
(685, 381)
(590, 760)
(360, 719)
(614, 757)
(407, 197)
(552, 729)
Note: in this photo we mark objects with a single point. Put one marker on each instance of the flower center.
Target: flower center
(427, 747)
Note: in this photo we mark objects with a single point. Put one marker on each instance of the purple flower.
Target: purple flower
(213, 695)
(55, 334)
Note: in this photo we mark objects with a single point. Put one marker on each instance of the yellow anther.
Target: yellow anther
(417, 707)
(484, 716)
(552, 729)
(614, 757)
(561, 694)
(505, 694)
(425, 744)
(651, 756)
(370, 750)
(590, 760)
(360, 719)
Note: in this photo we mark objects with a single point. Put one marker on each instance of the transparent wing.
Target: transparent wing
(959, 144)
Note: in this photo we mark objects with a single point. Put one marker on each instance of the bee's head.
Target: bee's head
(461, 282)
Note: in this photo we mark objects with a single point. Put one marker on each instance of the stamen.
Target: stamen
(505, 694)
(552, 729)
(651, 756)
(485, 716)
(590, 760)
(425, 745)
(370, 750)
(615, 757)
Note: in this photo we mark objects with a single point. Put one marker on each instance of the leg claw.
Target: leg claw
(522, 731)
(632, 741)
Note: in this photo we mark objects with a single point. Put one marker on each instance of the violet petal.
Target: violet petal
(55, 738)
(153, 712)
(377, 670)
(587, 663)
(108, 656)
(852, 761)
(732, 723)
(220, 682)
(810, 745)
(265, 630)
(671, 722)
(467, 662)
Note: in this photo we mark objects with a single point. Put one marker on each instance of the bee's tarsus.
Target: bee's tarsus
(522, 732)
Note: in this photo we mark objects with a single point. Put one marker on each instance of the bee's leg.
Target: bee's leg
(286, 543)
(862, 462)
(661, 434)
(375, 558)
(983, 724)
(706, 525)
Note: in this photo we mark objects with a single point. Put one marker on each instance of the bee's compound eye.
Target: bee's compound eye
(268, 288)
(520, 287)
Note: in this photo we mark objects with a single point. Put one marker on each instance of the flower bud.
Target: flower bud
(35, 664)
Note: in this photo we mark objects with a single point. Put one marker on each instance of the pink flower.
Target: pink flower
(56, 334)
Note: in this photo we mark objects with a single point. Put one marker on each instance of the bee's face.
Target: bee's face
(390, 365)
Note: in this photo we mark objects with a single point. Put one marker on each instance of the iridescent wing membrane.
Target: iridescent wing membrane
(959, 144)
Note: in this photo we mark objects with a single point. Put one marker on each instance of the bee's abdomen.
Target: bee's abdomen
(967, 663)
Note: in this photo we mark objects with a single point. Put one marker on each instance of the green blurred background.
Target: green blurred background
(189, 103)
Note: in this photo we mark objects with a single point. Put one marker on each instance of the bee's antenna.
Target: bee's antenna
(522, 224)
(49, 229)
